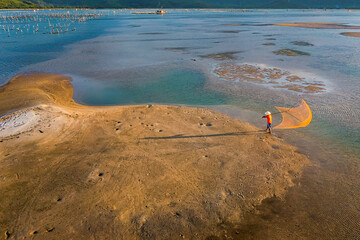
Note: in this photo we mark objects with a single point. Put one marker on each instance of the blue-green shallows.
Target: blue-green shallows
(173, 87)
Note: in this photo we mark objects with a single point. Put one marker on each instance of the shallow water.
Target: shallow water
(120, 58)
(180, 86)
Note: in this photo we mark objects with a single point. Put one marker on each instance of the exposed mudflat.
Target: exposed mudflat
(273, 77)
(291, 52)
(222, 56)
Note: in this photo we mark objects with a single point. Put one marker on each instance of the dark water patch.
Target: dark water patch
(232, 31)
(232, 24)
(153, 33)
(247, 23)
(174, 39)
(270, 39)
(269, 44)
(7, 42)
(222, 56)
(258, 25)
(301, 43)
(176, 49)
(183, 49)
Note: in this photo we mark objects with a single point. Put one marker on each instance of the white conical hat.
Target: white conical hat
(267, 113)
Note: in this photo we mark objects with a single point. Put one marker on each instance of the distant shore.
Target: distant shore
(122, 172)
(129, 8)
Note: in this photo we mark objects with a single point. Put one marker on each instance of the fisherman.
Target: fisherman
(269, 121)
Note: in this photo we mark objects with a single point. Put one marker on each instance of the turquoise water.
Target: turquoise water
(181, 86)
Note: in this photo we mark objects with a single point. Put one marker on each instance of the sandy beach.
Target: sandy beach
(69, 171)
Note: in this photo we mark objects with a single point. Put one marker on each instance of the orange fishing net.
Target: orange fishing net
(295, 117)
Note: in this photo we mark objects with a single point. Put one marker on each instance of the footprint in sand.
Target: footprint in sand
(118, 125)
(95, 176)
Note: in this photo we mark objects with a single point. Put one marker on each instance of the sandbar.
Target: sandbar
(130, 172)
(351, 34)
(319, 25)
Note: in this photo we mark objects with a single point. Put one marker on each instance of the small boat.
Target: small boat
(160, 12)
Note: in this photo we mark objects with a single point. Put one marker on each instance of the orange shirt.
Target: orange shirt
(269, 118)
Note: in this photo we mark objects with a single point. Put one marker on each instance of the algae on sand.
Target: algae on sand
(291, 52)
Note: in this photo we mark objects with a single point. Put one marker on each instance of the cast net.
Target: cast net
(295, 117)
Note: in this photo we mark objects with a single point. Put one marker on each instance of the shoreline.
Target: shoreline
(156, 171)
(240, 9)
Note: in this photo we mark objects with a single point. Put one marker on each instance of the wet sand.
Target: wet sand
(319, 25)
(291, 52)
(127, 172)
(351, 34)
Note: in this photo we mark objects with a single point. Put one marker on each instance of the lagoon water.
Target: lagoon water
(117, 57)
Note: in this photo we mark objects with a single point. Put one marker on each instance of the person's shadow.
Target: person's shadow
(180, 136)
